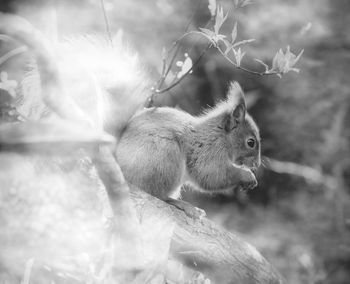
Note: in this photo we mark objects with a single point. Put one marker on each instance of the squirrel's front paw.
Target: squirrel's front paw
(248, 180)
(196, 213)
(189, 209)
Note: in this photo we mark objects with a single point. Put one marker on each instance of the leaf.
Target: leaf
(277, 59)
(245, 3)
(234, 33)
(227, 43)
(214, 38)
(228, 46)
(219, 37)
(212, 7)
(238, 56)
(305, 28)
(284, 62)
(179, 63)
(208, 32)
(243, 42)
(186, 67)
(164, 60)
(219, 19)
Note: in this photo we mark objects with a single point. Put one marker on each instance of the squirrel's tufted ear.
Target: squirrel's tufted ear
(236, 95)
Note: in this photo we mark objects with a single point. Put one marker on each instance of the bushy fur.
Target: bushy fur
(121, 83)
(53, 94)
(86, 78)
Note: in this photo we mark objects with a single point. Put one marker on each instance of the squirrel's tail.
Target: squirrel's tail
(85, 75)
(53, 95)
(118, 73)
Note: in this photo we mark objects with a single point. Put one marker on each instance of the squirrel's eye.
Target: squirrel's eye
(251, 143)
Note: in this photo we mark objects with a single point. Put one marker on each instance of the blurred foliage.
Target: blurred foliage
(304, 118)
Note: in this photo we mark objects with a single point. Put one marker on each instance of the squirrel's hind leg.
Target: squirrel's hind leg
(154, 166)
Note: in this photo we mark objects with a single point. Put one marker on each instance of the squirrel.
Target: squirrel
(158, 148)
(161, 148)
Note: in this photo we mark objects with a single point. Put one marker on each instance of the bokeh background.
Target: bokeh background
(299, 215)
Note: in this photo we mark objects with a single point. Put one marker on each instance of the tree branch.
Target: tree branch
(308, 173)
(226, 258)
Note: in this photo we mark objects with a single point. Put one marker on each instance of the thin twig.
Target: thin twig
(184, 75)
(193, 14)
(177, 45)
(229, 59)
(163, 77)
(166, 71)
(108, 30)
(243, 68)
